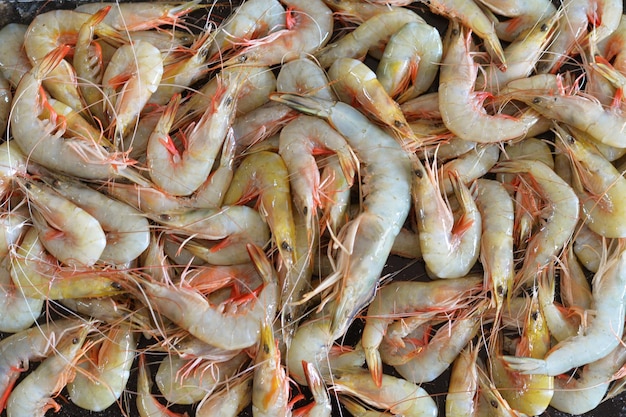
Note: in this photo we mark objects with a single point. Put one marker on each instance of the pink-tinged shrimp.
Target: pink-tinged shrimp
(309, 24)
(560, 322)
(33, 396)
(260, 124)
(270, 387)
(306, 77)
(147, 404)
(102, 378)
(14, 62)
(462, 396)
(182, 172)
(443, 233)
(367, 240)
(336, 190)
(138, 16)
(522, 14)
(461, 106)
(575, 288)
(191, 310)
(229, 401)
(601, 335)
(265, 175)
(41, 138)
(321, 406)
(128, 82)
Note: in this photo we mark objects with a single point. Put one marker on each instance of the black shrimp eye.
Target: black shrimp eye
(537, 100)
(501, 290)
(419, 173)
(229, 101)
(305, 210)
(75, 340)
(571, 139)
(243, 58)
(116, 285)
(286, 246)
(494, 403)
(534, 315)
(165, 217)
(544, 28)
(398, 123)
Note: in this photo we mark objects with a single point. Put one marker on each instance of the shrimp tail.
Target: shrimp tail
(52, 60)
(307, 105)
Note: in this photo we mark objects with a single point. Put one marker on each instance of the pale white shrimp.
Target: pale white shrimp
(270, 386)
(311, 343)
(369, 237)
(126, 229)
(192, 311)
(6, 97)
(529, 148)
(441, 233)
(425, 106)
(559, 322)
(411, 61)
(469, 166)
(13, 164)
(337, 193)
(147, 404)
(575, 288)
(523, 14)
(67, 231)
(17, 311)
(397, 395)
(309, 24)
(33, 396)
(228, 402)
(400, 297)
(368, 35)
(304, 76)
(42, 141)
(128, 82)
(602, 333)
(588, 248)
(321, 406)
(560, 214)
(461, 399)
(496, 245)
(101, 380)
(461, 106)
(260, 124)
(14, 62)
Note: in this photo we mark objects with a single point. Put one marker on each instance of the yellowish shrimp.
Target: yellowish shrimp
(14, 62)
(588, 248)
(135, 70)
(147, 404)
(575, 288)
(33, 396)
(228, 402)
(367, 240)
(309, 24)
(12, 165)
(461, 106)
(368, 35)
(102, 378)
(602, 333)
(270, 387)
(461, 399)
(41, 139)
(180, 173)
(75, 125)
(560, 214)
(17, 311)
(356, 83)
(141, 15)
(598, 184)
(441, 233)
(306, 77)
(353, 12)
(265, 174)
(192, 311)
(397, 395)
(470, 15)
(404, 297)
(411, 61)
(561, 324)
(6, 97)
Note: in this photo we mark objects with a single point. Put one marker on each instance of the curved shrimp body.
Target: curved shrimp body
(371, 234)
(180, 173)
(311, 343)
(191, 310)
(496, 245)
(461, 106)
(17, 311)
(602, 334)
(147, 404)
(368, 35)
(599, 185)
(33, 395)
(126, 229)
(523, 15)
(14, 62)
(13, 163)
(265, 174)
(306, 77)
(356, 83)
(100, 383)
(561, 214)
(397, 395)
(6, 97)
(441, 235)
(461, 400)
(137, 68)
(41, 140)
(411, 61)
(470, 15)
(67, 231)
(229, 402)
(309, 26)
(270, 387)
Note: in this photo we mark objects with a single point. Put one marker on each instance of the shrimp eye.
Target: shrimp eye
(116, 285)
(493, 403)
(266, 348)
(419, 173)
(165, 217)
(28, 185)
(56, 183)
(305, 210)
(534, 315)
(544, 28)
(286, 246)
(501, 290)
(75, 340)
(229, 101)
(537, 100)
(571, 139)
(243, 58)
(398, 123)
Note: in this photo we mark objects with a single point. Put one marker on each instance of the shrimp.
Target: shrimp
(337, 193)
(13, 164)
(403, 297)
(523, 15)
(126, 229)
(270, 387)
(6, 97)
(41, 139)
(560, 214)
(368, 35)
(260, 124)
(440, 233)
(192, 311)
(147, 404)
(411, 61)
(496, 245)
(369, 237)
(321, 406)
(14, 62)
(469, 166)
(304, 76)
(33, 395)
(561, 324)
(462, 399)
(265, 174)
(588, 248)
(598, 184)
(229, 402)
(461, 106)
(356, 84)
(309, 24)
(180, 173)
(397, 395)
(17, 311)
(100, 381)
(470, 15)
(602, 334)
(137, 68)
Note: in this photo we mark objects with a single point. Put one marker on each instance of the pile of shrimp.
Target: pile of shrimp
(207, 202)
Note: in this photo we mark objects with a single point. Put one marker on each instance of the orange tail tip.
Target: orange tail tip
(52, 60)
